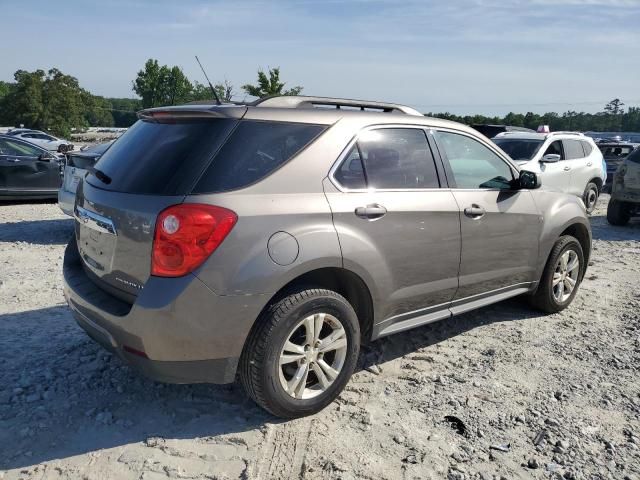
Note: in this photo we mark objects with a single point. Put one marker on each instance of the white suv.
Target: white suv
(566, 161)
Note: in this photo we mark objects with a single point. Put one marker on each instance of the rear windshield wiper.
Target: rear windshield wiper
(100, 175)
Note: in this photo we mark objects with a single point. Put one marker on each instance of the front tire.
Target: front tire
(561, 277)
(301, 353)
(618, 213)
(590, 197)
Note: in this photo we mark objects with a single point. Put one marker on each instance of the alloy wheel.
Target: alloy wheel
(565, 276)
(312, 356)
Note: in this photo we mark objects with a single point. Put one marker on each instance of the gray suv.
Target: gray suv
(269, 241)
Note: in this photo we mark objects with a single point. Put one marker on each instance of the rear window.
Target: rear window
(254, 150)
(161, 158)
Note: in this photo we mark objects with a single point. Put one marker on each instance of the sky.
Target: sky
(462, 56)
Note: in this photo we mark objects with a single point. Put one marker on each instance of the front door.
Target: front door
(500, 225)
(23, 169)
(556, 175)
(395, 224)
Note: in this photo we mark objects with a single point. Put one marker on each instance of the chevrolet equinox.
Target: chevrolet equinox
(268, 241)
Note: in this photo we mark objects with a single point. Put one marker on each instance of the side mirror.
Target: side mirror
(44, 157)
(529, 180)
(550, 158)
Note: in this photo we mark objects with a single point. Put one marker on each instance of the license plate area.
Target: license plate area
(97, 239)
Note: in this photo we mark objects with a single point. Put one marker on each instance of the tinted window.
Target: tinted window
(519, 148)
(350, 174)
(555, 149)
(616, 152)
(254, 150)
(473, 164)
(397, 158)
(161, 158)
(572, 149)
(634, 156)
(10, 147)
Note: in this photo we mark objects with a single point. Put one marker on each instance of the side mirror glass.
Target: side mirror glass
(550, 158)
(44, 157)
(529, 180)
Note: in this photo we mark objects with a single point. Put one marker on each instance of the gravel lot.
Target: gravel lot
(526, 396)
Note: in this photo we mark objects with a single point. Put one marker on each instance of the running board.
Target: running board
(449, 312)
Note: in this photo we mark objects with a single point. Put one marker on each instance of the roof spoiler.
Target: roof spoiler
(299, 101)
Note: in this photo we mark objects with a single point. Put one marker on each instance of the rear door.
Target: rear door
(27, 167)
(500, 226)
(395, 223)
(582, 169)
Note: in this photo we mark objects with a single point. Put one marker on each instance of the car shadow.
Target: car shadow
(603, 230)
(41, 232)
(410, 341)
(62, 395)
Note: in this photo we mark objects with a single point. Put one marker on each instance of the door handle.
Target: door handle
(14, 160)
(566, 169)
(371, 211)
(474, 211)
(589, 164)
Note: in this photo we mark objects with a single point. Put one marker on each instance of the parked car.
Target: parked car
(614, 152)
(75, 167)
(46, 141)
(16, 131)
(27, 171)
(625, 190)
(566, 161)
(271, 240)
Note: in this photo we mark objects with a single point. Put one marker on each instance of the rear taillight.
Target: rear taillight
(186, 235)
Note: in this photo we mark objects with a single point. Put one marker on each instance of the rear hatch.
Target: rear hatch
(152, 166)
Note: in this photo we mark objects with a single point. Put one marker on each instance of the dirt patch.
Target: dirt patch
(503, 392)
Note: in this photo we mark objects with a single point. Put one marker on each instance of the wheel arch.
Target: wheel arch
(598, 182)
(340, 280)
(581, 233)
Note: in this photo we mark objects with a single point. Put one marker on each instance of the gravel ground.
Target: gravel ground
(502, 392)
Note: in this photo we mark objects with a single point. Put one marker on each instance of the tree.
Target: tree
(270, 85)
(203, 92)
(614, 107)
(160, 85)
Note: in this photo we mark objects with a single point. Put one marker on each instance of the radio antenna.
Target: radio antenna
(213, 90)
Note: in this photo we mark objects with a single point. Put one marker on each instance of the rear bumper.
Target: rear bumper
(177, 331)
(66, 201)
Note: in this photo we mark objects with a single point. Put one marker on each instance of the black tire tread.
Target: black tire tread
(617, 213)
(541, 298)
(253, 355)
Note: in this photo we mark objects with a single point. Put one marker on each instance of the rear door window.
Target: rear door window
(586, 146)
(572, 149)
(389, 159)
(255, 150)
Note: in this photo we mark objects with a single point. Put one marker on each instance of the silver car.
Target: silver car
(269, 241)
(75, 167)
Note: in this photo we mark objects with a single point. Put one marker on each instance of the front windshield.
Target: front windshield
(519, 148)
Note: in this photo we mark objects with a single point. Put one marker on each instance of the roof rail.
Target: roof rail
(291, 101)
(564, 133)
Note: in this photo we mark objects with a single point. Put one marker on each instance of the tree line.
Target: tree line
(55, 102)
(613, 118)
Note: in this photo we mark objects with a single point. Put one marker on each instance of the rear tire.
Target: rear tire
(561, 277)
(590, 197)
(287, 366)
(618, 213)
